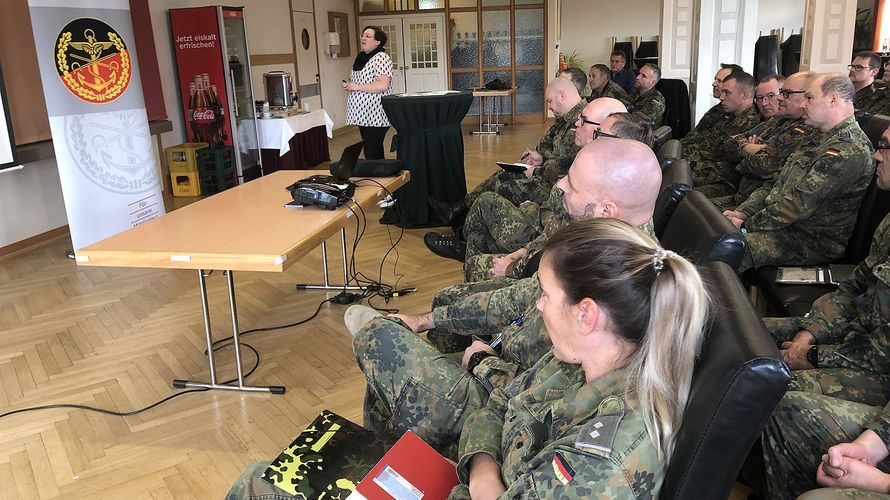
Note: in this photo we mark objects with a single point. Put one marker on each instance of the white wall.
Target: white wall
(30, 202)
(786, 14)
(334, 71)
(587, 25)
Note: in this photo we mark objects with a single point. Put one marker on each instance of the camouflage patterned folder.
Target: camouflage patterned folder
(326, 460)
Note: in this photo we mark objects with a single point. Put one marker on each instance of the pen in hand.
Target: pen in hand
(525, 155)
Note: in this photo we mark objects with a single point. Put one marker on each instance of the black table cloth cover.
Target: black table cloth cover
(429, 140)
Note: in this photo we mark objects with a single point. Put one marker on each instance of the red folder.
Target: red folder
(410, 470)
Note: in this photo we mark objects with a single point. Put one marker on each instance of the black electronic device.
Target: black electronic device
(328, 191)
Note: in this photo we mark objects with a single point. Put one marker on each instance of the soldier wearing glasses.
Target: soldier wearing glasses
(759, 153)
(872, 95)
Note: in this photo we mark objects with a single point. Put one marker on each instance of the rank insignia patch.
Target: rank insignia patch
(92, 60)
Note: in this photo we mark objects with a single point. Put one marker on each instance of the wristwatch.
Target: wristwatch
(813, 356)
(477, 358)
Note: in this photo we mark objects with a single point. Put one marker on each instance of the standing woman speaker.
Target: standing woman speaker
(371, 79)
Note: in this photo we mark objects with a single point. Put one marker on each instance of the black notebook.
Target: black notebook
(516, 168)
(326, 460)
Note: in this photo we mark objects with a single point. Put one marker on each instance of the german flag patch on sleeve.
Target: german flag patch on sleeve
(561, 469)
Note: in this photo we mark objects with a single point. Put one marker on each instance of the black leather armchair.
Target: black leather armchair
(670, 151)
(676, 183)
(698, 231)
(660, 136)
(739, 379)
(677, 113)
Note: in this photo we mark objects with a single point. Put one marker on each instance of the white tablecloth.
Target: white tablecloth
(276, 133)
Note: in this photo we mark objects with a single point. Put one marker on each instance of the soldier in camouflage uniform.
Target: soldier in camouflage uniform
(846, 335)
(713, 174)
(872, 96)
(647, 101)
(601, 84)
(699, 138)
(553, 154)
(760, 153)
(495, 227)
(574, 425)
(411, 385)
(807, 213)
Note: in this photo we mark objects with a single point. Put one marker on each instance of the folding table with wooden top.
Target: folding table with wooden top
(246, 228)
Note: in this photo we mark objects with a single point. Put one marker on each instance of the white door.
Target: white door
(392, 26)
(417, 48)
(424, 48)
(307, 59)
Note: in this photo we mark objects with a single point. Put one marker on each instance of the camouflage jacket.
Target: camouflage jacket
(874, 98)
(706, 140)
(852, 324)
(782, 136)
(541, 428)
(649, 106)
(611, 89)
(558, 148)
(512, 312)
(818, 191)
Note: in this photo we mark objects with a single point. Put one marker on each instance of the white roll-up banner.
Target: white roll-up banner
(87, 59)
(7, 139)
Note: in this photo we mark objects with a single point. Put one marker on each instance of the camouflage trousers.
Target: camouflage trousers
(516, 188)
(783, 247)
(494, 226)
(799, 432)
(860, 386)
(729, 202)
(448, 341)
(413, 386)
(715, 178)
(251, 486)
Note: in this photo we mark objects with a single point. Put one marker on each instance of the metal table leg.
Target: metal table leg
(488, 125)
(324, 266)
(213, 384)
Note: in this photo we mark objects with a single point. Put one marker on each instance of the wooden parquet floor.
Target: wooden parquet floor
(116, 337)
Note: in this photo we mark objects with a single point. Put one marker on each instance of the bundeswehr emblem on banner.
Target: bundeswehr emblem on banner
(92, 60)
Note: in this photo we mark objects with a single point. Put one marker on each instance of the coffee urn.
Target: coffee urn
(280, 89)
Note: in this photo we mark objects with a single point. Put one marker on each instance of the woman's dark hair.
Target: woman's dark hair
(379, 34)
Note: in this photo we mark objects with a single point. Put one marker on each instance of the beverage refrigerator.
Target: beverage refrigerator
(213, 65)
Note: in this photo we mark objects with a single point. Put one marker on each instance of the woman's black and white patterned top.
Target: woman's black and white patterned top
(363, 108)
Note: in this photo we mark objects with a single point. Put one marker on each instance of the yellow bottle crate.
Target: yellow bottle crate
(185, 183)
(184, 157)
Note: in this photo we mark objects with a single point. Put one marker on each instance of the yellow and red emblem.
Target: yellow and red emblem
(93, 61)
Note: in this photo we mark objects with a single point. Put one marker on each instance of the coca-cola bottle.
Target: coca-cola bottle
(219, 136)
(203, 115)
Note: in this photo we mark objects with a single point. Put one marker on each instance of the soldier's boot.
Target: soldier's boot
(357, 316)
(449, 246)
(450, 213)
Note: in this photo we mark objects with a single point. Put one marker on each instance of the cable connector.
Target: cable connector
(399, 293)
(346, 298)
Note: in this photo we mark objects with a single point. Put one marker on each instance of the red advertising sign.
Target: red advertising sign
(197, 43)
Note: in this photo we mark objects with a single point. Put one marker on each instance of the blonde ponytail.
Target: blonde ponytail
(656, 301)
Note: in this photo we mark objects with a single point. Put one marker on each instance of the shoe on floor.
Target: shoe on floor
(357, 316)
(450, 213)
(446, 245)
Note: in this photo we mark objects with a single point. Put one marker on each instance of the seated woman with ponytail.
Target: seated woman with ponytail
(597, 416)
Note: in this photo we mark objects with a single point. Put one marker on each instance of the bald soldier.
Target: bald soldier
(550, 158)
(501, 212)
(412, 386)
(806, 214)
